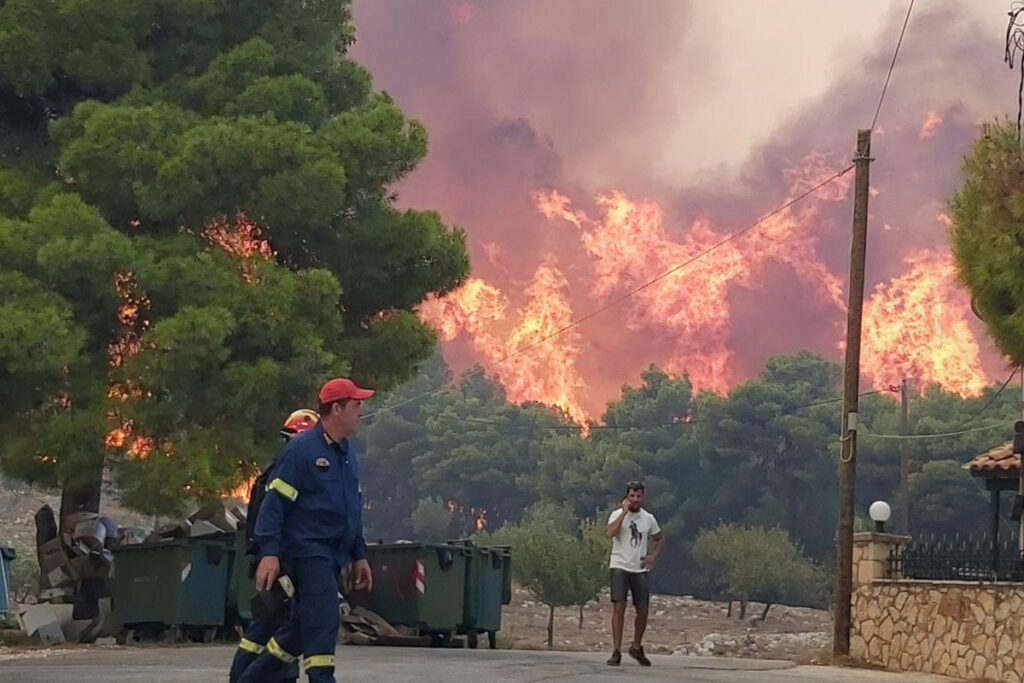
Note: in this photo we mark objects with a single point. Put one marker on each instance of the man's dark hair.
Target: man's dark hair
(634, 486)
(325, 408)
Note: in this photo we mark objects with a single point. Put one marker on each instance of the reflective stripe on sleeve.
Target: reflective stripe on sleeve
(285, 489)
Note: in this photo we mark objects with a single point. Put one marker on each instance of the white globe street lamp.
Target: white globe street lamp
(879, 512)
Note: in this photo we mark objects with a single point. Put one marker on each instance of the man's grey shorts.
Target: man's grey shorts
(635, 583)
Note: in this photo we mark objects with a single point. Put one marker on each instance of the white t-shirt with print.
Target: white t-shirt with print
(632, 542)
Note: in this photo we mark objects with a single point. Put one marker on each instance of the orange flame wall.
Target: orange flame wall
(916, 325)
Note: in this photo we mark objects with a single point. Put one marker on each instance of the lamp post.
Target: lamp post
(879, 512)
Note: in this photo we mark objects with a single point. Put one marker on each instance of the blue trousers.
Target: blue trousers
(312, 630)
(252, 645)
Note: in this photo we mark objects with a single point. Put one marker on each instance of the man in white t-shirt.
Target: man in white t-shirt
(636, 542)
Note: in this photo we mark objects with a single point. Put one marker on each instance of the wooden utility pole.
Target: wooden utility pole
(851, 389)
(903, 494)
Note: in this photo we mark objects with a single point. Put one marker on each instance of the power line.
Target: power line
(892, 64)
(671, 271)
(932, 436)
(959, 429)
(989, 403)
(728, 238)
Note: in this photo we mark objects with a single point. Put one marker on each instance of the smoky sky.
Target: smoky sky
(590, 96)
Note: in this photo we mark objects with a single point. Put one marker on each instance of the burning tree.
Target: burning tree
(195, 229)
(986, 234)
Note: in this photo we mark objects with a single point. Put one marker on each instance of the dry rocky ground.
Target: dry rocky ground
(681, 625)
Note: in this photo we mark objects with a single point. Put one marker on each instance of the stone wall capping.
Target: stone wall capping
(880, 537)
(952, 584)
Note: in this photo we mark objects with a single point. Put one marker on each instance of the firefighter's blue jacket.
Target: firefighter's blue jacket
(313, 505)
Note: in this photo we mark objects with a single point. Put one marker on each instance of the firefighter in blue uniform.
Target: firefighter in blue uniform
(311, 522)
(254, 642)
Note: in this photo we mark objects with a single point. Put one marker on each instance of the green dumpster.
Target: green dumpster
(419, 585)
(7, 556)
(179, 584)
(488, 587)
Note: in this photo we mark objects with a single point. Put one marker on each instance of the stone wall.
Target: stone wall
(965, 630)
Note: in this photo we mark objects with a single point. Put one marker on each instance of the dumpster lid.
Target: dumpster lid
(173, 543)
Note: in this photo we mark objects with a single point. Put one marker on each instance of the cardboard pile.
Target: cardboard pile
(77, 564)
(363, 627)
(75, 568)
(216, 518)
(78, 561)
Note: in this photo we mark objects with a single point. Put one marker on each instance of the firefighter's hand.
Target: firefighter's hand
(362, 576)
(267, 572)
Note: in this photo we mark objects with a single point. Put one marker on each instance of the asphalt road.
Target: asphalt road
(203, 664)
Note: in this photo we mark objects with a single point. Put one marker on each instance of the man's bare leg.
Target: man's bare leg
(640, 625)
(636, 650)
(618, 619)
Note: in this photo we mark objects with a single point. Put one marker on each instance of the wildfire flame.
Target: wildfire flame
(141, 447)
(130, 328)
(547, 373)
(930, 124)
(243, 491)
(240, 237)
(117, 436)
(916, 326)
(630, 247)
(474, 308)
(130, 325)
(556, 205)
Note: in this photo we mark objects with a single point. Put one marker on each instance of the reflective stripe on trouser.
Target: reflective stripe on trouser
(269, 669)
(249, 646)
(312, 661)
(274, 648)
(252, 646)
(313, 627)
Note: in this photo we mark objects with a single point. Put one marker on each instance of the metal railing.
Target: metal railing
(957, 559)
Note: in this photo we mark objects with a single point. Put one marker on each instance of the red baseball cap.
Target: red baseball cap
(341, 388)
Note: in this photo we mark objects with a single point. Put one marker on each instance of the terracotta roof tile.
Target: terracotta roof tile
(998, 461)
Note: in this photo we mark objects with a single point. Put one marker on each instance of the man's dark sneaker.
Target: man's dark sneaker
(637, 653)
(615, 659)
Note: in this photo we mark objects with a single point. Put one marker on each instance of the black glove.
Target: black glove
(274, 606)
